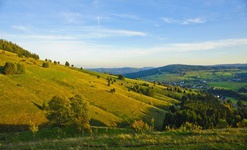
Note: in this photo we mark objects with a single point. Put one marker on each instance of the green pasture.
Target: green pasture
(20, 93)
(117, 138)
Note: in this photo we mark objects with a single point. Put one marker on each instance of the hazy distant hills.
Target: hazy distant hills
(179, 68)
(116, 71)
(175, 68)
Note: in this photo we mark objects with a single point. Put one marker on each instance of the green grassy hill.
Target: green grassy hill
(20, 93)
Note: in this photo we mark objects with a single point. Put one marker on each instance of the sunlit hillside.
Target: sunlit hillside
(21, 94)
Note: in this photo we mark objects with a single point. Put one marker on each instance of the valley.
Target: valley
(168, 108)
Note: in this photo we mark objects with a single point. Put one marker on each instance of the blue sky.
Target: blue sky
(137, 33)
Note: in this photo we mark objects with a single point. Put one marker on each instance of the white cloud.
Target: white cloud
(71, 17)
(110, 32)
(41, 37)
(194, 21)
(21, 28)
(127, 16)
(200, 46)
(169, 20)
(197, 20)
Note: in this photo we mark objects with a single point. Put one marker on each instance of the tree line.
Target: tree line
(206, 111)
(14, 48)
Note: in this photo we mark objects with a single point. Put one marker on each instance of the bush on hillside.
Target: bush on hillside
(143, 90)
(113, 90)
(66, 63)
(121, 77)
(9, 68)
(45, 65)
(140, 126)
(20, 69)
(13, 68)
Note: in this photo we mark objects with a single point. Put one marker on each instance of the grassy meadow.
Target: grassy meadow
(20, 94)
(227, 85)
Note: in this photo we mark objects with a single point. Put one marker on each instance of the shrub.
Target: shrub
(45, 65)
(121, 77)
(33, 127)
(143, 90)
(187, 126)
(66, 63)
(13, 68)
(222, 123)
(20, 69)
(10, 68)
(140, 126)
(113, 90)
(243, 123)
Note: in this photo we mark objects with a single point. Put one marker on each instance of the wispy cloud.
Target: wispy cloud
(41, 37)
(194, 21)
(71, 17)
(21, 28)
(197, 20)
(110, 32)
(127, 16)
(200, 46)
(169, 20)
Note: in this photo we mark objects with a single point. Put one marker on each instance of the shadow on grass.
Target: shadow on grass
(97, 123)
(10, 128)
(13, 128)
(38, 106)
(1, 69)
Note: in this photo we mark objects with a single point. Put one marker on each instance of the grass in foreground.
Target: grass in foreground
(124, 139)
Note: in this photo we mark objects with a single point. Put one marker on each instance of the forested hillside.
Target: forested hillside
(182, 69)
(14, 48)
(116, 71)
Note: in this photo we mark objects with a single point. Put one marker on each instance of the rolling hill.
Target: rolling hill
(20, 94)
(180, 69)
(116, 71)
(227, 81)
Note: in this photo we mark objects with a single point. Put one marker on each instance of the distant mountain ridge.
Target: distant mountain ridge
(116, 71)
(180, 68)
